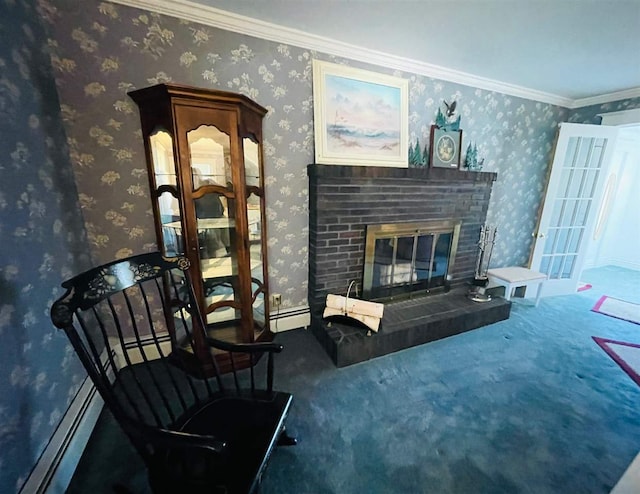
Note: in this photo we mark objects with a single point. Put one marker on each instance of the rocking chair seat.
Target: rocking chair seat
(249, 424)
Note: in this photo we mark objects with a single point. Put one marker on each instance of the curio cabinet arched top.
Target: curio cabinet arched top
(204, 155)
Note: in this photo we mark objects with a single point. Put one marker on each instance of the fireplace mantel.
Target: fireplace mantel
(384, 172)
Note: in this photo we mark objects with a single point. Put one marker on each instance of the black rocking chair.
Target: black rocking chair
(135, 325)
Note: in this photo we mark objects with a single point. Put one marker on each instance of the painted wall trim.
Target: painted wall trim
(184, 9)
(606, 98)
(55, 467)
(622, 263)
(624, 117)
(598, 262)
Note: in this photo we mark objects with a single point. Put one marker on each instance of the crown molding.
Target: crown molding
(607, 98)
(228, 21)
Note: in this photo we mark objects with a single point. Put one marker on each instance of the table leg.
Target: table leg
(508, 288)
(538, 293)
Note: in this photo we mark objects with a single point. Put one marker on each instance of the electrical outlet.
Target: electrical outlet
(276, 299)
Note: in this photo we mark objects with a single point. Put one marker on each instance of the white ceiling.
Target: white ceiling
(573, 50)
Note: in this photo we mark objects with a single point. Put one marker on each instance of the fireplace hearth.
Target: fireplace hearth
(346, 201)
(407, 323)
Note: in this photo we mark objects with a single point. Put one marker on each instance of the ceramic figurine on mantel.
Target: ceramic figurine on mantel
(471, 159)
(446, 121)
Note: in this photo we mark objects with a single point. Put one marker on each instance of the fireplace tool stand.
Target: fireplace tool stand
(477, 292)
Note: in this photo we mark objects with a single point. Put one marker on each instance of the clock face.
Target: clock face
(446, 148)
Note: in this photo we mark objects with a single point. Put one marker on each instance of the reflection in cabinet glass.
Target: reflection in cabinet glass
(204, 155)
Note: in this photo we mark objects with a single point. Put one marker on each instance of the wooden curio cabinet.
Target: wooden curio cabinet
(204, 155)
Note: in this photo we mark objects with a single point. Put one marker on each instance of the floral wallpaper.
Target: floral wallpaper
(74, 180)
(104, 50)
(43, 243)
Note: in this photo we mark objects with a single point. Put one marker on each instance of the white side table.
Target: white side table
(514, 277)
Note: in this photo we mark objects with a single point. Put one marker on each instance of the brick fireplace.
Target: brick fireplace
(343, 201)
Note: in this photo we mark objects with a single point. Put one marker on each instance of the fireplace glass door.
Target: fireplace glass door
(404, 260)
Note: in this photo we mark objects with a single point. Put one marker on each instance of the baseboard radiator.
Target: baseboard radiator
(285, 320)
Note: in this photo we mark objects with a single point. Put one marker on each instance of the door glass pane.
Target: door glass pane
(382, 266)
(576, 185)
(545, 264)
(218, 254)
(254, 221)
(168, 204)
(558, 210)
(568, 217)
(556, 265)
(210, 155)
(550, 241)
(567, 268)
(162, 156)
(255, 237)
(584, 152)
(251, 162)
(259, 320)
(562, 240)
(440, 264)
(572, 147)
(590, 183)
(403, 270)
(424, 267)
(581, 213)
(565, 178)
(172, 239)
(215, 228)
(597, 153)
(574, 241)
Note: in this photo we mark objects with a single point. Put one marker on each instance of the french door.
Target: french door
(571, 204)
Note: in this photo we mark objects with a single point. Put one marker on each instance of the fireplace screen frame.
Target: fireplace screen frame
(403, 230)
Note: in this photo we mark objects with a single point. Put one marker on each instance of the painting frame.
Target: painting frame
(444, 148)
(360, 117)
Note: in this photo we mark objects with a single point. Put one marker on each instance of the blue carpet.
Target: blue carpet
(527, 405)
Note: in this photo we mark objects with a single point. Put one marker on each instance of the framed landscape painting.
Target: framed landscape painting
(360, 117)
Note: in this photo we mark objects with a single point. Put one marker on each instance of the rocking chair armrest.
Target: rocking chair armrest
(178, 439)
(175, 439)
(250, 348)
(244, 347)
